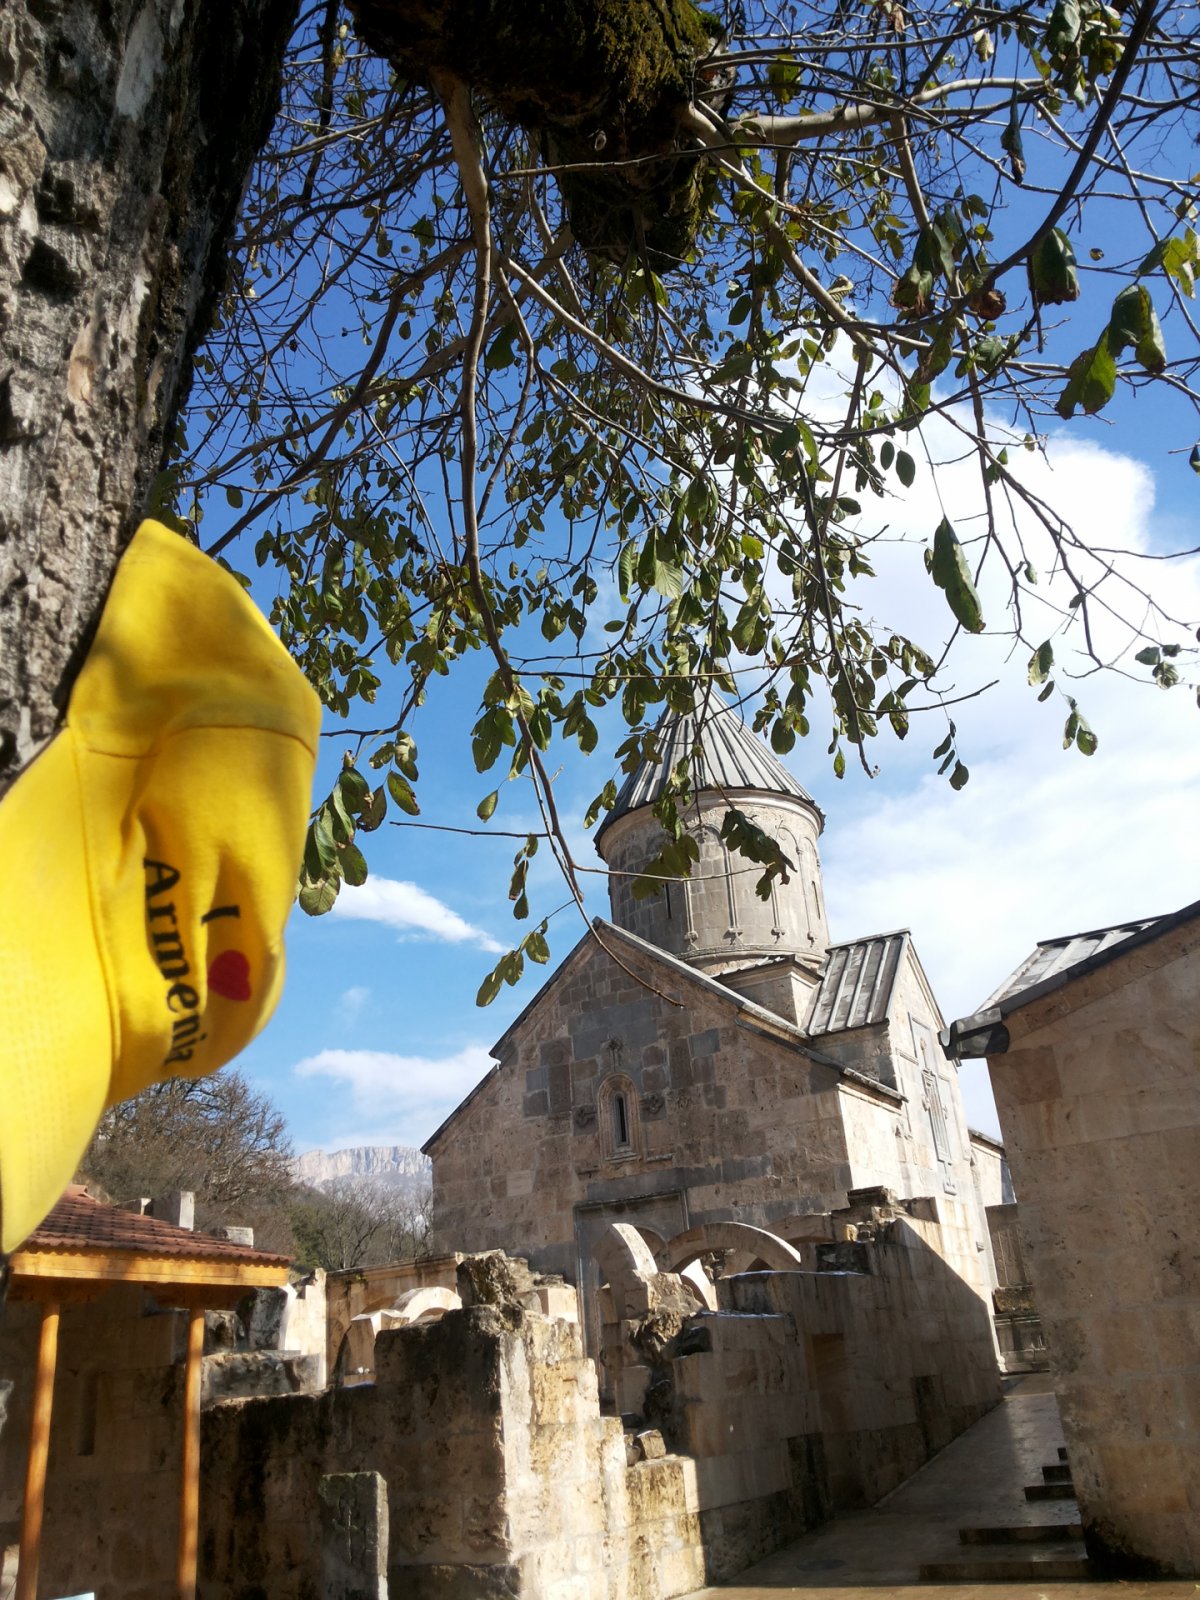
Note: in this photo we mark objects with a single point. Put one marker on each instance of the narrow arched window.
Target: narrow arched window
(620, 1112)
(619, 1118)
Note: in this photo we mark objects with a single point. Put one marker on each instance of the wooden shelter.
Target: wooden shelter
(83, 1249)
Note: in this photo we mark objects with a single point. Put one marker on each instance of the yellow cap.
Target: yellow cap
(148, 861)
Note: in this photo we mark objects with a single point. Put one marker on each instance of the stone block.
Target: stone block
(438, 1581)
(354, 1536)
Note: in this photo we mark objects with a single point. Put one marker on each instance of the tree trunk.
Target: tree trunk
(127, 128)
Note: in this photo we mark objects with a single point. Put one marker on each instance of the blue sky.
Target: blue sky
(378, 1035)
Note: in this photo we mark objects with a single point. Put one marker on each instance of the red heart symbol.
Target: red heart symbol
(229, 974)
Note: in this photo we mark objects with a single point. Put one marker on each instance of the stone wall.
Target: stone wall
(495, 1470)
(722, 1104)
(358, 1291)
(112, 1492)
(728, 1118)
(898, 1355)
(1099, 1099)
(1020, 1337)
(502, 1477)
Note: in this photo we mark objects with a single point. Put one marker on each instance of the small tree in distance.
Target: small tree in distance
(353, 1222)
(224, 1140)
(216, 1136)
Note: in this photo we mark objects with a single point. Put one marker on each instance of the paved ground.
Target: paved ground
(979, 1480)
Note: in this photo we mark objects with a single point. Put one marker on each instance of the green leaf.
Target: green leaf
(234, 497)
(536, 947)
(1040, 663)
(1194, 458)
(1091, 380)
(1010, 141)
(353, 865)
(490, 987)
(906, 468)
(374, 811)
(958, 778)
(1150, 656)
(321, 834)
(668, 579)
(1134, 321)
(500, 351)
(627, 566)
(951, 573)
(1053, 280)
(317, 898)
(487, 806)
(401, 792)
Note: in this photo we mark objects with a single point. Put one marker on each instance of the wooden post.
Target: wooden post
(189, 1487)
(39, 1447)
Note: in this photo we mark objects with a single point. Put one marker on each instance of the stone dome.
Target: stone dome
(714, 919)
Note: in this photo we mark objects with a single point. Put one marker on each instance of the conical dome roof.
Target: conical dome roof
(730, 757)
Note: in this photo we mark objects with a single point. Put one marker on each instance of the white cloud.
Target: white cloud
(1041, 842)
(351, 1003)
(386, 1098)
(411, 911)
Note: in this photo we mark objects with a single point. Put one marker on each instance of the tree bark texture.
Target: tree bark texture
(127, 128)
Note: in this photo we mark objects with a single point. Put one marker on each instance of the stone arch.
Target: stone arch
(698, 1282)
(423, 1305)
(622, 1256)
(356, 1354)
(775, 1253)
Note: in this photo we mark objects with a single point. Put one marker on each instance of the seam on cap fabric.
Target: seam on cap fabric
(101, 944)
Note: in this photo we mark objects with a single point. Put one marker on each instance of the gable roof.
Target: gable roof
(1054, 957)
(603, 934)
(1052, 965)
(857, 984)
(722, 754)
(79, 1223)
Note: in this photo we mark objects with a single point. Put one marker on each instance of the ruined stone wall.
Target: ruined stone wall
(501, 1475)
(1099, 1100)
(896, 1354)
(360, 1290)
(992, 1177)
(112, 1492)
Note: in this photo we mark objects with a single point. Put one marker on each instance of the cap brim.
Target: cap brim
(56, 1038)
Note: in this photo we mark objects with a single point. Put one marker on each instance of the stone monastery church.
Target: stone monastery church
(708, 1056)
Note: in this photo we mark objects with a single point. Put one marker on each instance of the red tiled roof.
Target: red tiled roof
(81, 1223)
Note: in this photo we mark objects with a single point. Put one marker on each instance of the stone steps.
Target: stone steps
(1057, 1472)
(1010, 1565)
(1023, 1533)
(1049, 1491)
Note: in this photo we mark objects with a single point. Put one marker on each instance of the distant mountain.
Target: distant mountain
(392, 1166)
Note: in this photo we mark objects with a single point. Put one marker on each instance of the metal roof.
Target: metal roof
(1053, 956)
(723, 753)
(1055, 963)
(856, 987)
